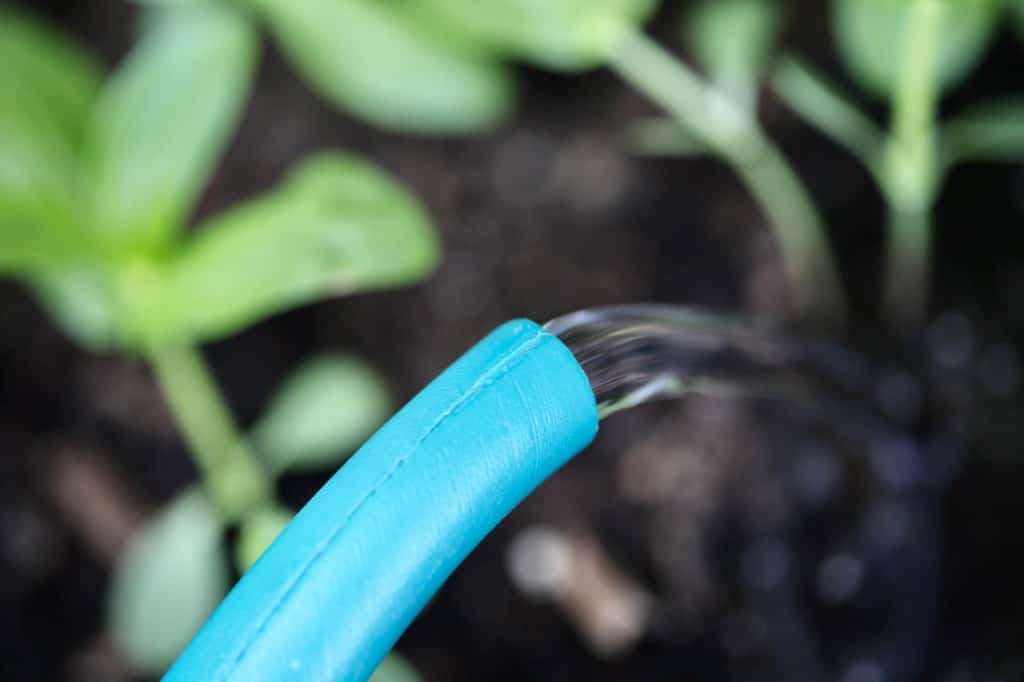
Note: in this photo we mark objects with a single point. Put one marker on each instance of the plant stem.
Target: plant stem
(734, 135)
(233, 477)
(911, 169)
(908, 255)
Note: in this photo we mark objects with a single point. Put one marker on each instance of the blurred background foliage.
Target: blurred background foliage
(184, 188)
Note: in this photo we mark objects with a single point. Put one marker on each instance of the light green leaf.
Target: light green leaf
(379, 64)
(733, 40)
(258, 529)
(557, 34)
(394, 668)
(38, 210)
(991, 131)
(30, 243)
(870, 37)
(80, 298)
(171, 577)
(48, 87)
(324, 411)
(164, 119)
(822, 105)
(46, 75)
(336, 226)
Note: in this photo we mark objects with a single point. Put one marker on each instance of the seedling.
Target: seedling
(434, 66)
(717, 115)
(97, 181)
(910, 53)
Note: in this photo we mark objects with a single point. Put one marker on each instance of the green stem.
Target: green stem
(911, 167)
(233, 477)
(733, 134)
(907, 265)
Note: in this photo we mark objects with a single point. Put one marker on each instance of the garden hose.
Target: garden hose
(331, 596)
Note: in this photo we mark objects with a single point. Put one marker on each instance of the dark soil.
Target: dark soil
(769, 513)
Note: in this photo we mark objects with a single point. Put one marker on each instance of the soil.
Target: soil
(755, 543)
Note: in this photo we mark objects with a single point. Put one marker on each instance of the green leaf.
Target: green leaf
(46, 75)
(558, 34)
(374, 61)
(870, 36)
(991, 131)
(733, 40)
(30, 243)
(324, 411)
(48, 87)
(164, 119)
(258, 529)
(336, 226)
(80, 298)
(394, 668)
(822, 105)
(171, 577)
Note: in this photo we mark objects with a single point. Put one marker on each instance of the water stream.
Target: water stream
(635, 354)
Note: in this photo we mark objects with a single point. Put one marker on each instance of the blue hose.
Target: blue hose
(334, 592)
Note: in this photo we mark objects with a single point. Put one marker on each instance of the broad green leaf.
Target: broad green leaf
(39, 205)
(258, 529)
(870, 37)
(733, 40)
(992, 131)
(1017, 10)
(324, 411)
(30, 242)
(376, 62)
(557, 34)
(394, 668)
(80, 297)
(46, 75)
(48, 87)
(822, 105)
(171, 577)
(163, 120)
(336, 226)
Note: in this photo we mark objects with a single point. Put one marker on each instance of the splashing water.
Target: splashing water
(635, 354)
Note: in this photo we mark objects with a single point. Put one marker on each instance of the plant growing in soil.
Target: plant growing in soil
(438, 66)
(909, 53)
(716, 114)
(415, 46)
(97, 182)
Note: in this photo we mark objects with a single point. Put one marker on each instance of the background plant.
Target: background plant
(909, 53)
(716, 114)
(97, 181)
(434, 66)
(442, 66)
